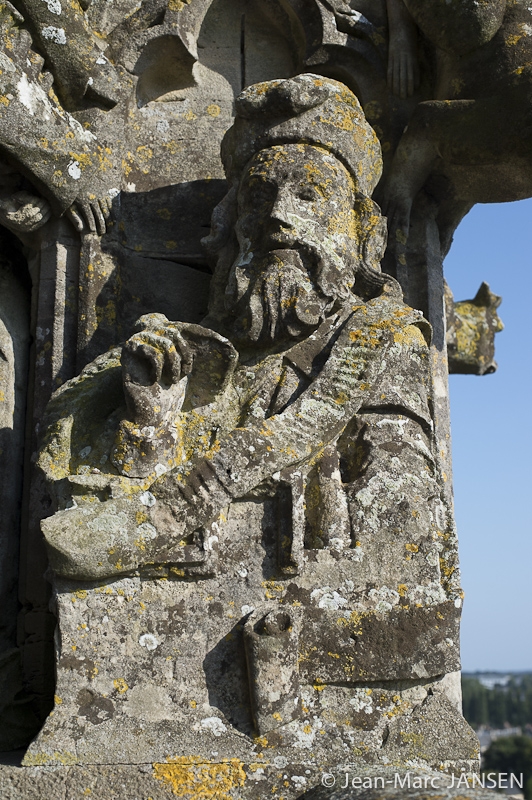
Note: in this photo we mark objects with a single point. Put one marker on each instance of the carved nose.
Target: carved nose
(281, 208)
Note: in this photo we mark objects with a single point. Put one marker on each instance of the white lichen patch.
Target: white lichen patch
(110, 521)
(362, 701)
(328, 598)
(54, 6)
(299, 781)
(54, 34)
(214, 725)
(429, 595)
(74, 170)
(383, 599)
(147, 531)
(149, 641)
(147, 499)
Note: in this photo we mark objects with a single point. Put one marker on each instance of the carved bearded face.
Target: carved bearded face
(298, 238)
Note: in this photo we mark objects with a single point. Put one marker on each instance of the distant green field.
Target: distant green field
(500, 706)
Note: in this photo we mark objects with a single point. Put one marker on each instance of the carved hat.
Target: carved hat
(307, 109)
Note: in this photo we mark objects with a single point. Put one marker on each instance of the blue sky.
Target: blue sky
(492, 443)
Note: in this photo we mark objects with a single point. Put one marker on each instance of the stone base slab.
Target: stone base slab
(230, 781)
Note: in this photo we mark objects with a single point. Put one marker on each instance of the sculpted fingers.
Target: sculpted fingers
(167, 354)
(74, 216)
(144, 357)
(182, 364)
(98, 216)
(105, 206)
(408, 76)
(80, 214)
(24, 212)
(403, 73)
(91, 214)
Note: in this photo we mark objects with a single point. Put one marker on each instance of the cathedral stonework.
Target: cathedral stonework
(229, 563)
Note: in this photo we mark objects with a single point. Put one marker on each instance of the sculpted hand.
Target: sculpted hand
(403, 68)
(155, 363)
(90, 212)
(23, 212)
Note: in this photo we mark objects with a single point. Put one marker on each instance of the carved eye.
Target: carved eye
(307, 193)
(260, 192)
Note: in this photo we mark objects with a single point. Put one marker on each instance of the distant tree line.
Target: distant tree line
(511, 754)
(503, 705)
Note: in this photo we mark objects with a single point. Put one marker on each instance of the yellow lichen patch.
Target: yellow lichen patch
(83, 159)
(42, 759)
(343, 223)
(409, 336)
(214, 110)
(402, 589)
(400, 708)
(104, 162)
(272, 589)
(355, 621)
(415, 739)
(400, 235)
(120, 685)
(191, 777)
(341, 399)
(144, 153)
(177, 5)
(446, 569)
(412, 548)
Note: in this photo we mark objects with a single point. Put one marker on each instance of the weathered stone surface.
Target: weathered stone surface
(249, 537)
(247, 504)
(200, 780)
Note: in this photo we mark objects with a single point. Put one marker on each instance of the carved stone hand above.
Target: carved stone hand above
(24, 212)
(403, 65)
(90, 212)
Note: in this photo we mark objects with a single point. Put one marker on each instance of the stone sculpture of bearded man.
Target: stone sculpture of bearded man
(276, 464)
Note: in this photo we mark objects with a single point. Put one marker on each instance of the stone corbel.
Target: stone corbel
(471, 329)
